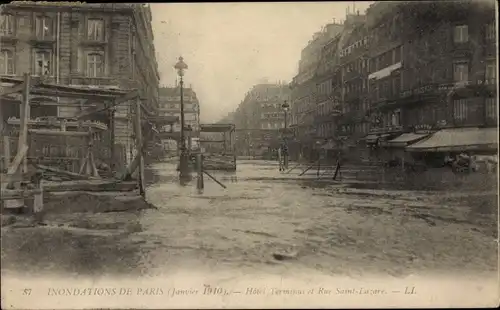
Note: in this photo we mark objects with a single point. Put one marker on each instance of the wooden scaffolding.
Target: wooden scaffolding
(94, 100)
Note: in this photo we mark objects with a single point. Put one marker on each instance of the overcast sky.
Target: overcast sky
(229, 47)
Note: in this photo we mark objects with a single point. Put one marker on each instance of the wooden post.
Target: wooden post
(200, 182)
(112, 139)
(138, 134)
(6, 152)
(38, 201)
(24, 119)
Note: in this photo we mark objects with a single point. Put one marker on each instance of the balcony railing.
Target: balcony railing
(348, 76)
(386, 129)
(95, 81)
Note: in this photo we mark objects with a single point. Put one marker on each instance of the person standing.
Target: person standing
(279, 159)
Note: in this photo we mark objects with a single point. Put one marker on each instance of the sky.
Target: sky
(229, 47)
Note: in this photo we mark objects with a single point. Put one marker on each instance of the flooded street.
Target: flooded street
(331, 229)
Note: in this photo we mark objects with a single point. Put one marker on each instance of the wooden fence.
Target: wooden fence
(62, 152)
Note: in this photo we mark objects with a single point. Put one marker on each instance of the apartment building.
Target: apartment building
(85, 45)
(170, 105)
(352, 123)
(260, 118)
(432, 68)
(304, 91)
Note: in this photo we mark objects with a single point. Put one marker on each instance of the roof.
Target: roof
(407, 138)
(172, 91)
(458, 140)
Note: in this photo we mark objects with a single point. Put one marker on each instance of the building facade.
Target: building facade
(304, 90)
(170, 105)
(432, 67)
(260, 118)
(85, 45)
(401, 69)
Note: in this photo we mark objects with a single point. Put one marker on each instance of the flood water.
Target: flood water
(330, 228)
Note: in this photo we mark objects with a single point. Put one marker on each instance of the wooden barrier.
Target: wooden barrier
(199, 168)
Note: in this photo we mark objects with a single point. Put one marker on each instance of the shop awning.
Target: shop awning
(458, 140)
(328, 146)
(406, 139)
(372, 139)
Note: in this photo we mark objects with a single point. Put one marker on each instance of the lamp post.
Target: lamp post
(180, 66)
(285, 107)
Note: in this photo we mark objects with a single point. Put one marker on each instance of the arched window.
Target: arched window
(6, 62)
(95, 65)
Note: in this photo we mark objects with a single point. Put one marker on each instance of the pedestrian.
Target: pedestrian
(279, 159)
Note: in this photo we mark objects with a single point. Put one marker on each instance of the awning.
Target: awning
(406, 138)
(458, 140)
(328, 146)
(372, 139)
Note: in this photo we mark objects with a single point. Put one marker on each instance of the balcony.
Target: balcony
(43, 40)
(386, 129)
(349, 76)
(462, 49)
(104, 82)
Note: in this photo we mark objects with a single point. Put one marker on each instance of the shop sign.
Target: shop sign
(423, 128)
(418, 91)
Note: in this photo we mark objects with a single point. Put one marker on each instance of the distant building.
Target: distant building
(260, 117)
(170, 105)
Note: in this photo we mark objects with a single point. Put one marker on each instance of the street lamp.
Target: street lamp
(180, 66)
(285, 107)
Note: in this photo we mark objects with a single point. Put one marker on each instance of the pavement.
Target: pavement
(265, 222)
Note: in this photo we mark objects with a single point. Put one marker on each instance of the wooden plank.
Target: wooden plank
(58, 132)
(11, 90)
(90, 186)
(73, 175)
(6, 151)
(129, 96)
(24, 118)
(11, 194)
(20, 156)
(14, 167)
(140, 144)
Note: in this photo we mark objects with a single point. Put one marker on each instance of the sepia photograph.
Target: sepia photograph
(249, 155)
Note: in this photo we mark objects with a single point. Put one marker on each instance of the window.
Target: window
(460, 109)
(6, 62)
(95, 65)
(490, 71)
(461, 34)
(43, 62)
(95, 29)
(490, 32)
(43, 27)
(6, 24)
(461, 72)
(491, 108)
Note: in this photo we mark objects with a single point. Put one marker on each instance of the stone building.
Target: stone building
(304, 90)
(433, 67)
(85, 45)
(170, 105)
(352, 123)
(260, 117)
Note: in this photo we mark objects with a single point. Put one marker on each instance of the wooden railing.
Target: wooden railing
(62, 152)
